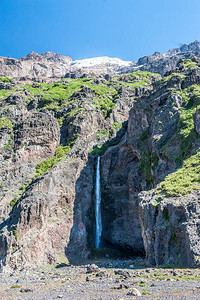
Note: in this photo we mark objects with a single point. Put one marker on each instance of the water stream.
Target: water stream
(98, 206)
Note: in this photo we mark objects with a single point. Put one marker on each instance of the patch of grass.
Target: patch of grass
(47, 164)
(143, 284)
(6, 79)
(6, 93)
(184, 180)
(101, 149)
(5, 122)
(167, 78)
(146, 293)
(145, 74)
(134, 85)
(13, 201)
(188, 63)
(15, 286)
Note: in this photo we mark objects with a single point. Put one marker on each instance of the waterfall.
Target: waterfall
(98, 205)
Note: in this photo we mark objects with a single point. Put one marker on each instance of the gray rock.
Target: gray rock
(134, 292)
(92, 269)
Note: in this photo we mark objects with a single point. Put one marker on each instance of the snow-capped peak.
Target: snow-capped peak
(104, 60)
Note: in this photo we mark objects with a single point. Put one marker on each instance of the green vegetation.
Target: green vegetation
(117, 126)
(146, 293)
(47, 164)
(143, 284)
(15, 233)
(6, 93)
(6, 79)
(144, 74)
(4, 122)
(102, 133)
(188, 63)
(13, 201)
(140, 83)
(8, 145)
(167, 78)
(15, 286)
(134, 80)
(101, 149)
(58, 95)
(184, 180)
(148, 163)
(186, 132)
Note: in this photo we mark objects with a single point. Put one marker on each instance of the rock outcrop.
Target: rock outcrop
(50, 67)
(47, 174)
(146, 130)
(145, 209)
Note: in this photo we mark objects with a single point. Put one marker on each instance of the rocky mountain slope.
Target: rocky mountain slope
(49, 66)
(146, 130)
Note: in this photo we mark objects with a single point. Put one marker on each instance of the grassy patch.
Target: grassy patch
(167, 78)
(143, 284)
(100, 150)
(5, 123)
(13, 201)
(47, 164)
(15, 286)
(6, 79)
(188, 63)
(146, 293)
(184, 180)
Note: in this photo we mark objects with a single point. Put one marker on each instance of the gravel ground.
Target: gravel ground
(102, 279)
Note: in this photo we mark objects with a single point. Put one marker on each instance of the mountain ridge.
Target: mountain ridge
(51, 66)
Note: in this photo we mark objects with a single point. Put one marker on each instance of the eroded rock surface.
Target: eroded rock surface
(146, 130)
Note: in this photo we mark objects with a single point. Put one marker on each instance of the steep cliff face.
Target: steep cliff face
(145, 128)
(47, 172)
(147, 202)
(35, 67)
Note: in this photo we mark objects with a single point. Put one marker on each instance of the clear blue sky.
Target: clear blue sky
(127, 29)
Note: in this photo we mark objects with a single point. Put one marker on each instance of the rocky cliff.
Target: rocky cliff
(146, 130)
(49, 66)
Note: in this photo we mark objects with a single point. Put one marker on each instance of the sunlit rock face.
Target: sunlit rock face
(49, 66)
(146, 130)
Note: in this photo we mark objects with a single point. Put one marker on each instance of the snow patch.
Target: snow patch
(100, 61)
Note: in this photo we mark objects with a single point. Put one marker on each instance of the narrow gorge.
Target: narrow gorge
(101, 165)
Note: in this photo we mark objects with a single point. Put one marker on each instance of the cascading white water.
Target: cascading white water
(98, 206)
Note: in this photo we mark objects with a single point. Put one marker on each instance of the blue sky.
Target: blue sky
(127, 29)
